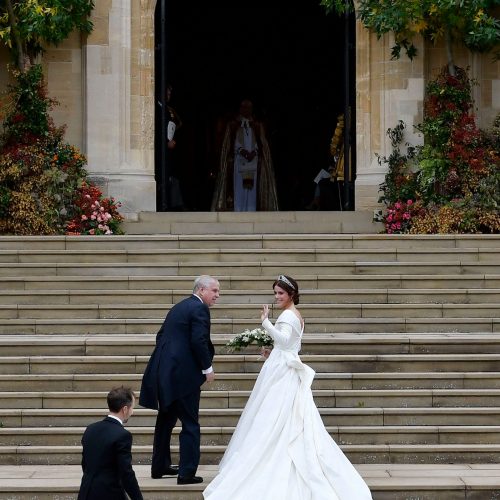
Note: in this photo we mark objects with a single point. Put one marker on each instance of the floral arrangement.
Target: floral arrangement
(398, 217)
(256, 336)
(451, 183)
(95, 214)
(42, 178)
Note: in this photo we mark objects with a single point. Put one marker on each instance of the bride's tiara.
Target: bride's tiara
(285, 280)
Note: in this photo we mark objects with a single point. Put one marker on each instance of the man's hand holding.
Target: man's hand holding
(210, 377)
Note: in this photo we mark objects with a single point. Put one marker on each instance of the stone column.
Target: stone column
(386, 91)
(118, 133)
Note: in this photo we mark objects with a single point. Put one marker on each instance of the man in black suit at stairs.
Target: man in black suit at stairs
(181, 362)
(107, 453)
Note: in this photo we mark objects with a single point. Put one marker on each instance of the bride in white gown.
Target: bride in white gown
(280, 449)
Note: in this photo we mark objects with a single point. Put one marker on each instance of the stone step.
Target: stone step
(247, 363)
(220, 436)
(232, 326)
(229, 417)
(264, 268)
(241, 240)
(251, 311)
(338, 398)
(246, 381)
(368, 343)
(386, 481)
(311, 300)
(253, 223)
(211, 455)
(458, 283)
(249, 255)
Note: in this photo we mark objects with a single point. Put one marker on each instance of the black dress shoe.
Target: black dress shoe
(173, 470)
(189, 479)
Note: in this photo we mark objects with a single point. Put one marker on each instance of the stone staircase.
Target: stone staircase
(237, 223)
(403, 332)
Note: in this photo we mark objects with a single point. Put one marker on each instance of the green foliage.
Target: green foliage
(400, 180)
(4, 200)
(39, 173)
(38, 22)
(27, 109)
(339, 6)
(43, 187)
(470, 22)
(451, 184)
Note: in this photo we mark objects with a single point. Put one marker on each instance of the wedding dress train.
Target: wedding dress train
(280, 449)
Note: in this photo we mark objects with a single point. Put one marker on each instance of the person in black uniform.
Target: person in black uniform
(107, 453)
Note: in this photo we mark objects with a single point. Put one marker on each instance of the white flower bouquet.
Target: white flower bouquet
(257, 336)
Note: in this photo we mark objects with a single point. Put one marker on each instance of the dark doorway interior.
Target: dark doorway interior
(289, 59)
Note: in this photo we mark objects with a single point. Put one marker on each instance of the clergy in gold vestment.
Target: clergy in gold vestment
(245, 181)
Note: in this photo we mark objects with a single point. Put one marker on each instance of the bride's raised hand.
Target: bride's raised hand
(264, 313)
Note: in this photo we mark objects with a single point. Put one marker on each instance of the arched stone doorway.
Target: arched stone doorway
(290, 63)
(116, 126)
(386, 91)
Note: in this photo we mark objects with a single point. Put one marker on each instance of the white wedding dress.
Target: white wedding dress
(280, 449)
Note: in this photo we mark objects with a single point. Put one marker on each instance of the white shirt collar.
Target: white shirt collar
(198, 297)
(116, 418)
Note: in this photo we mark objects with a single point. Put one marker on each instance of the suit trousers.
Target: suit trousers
(187, 411)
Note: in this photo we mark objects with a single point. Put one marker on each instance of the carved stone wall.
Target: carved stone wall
(386, 91)
(105, 85)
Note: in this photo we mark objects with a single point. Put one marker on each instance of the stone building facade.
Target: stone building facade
(105, 86)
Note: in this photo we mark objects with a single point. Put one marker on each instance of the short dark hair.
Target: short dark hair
(119, 397)
(290, 286)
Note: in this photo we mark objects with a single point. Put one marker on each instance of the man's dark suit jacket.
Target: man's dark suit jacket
(183, 349)
(107, 463)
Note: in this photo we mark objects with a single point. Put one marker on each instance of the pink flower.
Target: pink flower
(87, 196)
(398, 225)
(397, 205)
(406, 216)
(92, 231)
(93, 217)
(389, 218)
(84, 217)
(410, 202)
(109, 232)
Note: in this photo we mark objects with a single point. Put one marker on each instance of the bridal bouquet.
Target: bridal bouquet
(256, 336)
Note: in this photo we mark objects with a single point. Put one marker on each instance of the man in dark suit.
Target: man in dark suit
(181, 362)
(107, 453)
